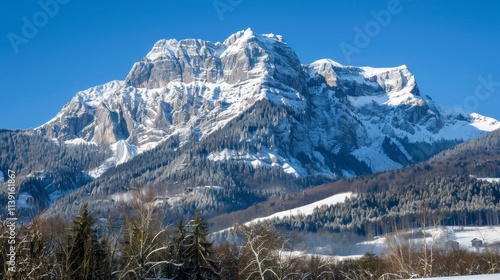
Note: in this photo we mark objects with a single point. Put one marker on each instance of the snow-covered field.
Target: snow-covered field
(463, 235)
(306, 209)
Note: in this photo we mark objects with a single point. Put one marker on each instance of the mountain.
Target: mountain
(220, 126)
(376, 117)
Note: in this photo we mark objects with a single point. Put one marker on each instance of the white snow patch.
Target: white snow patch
(79, 141)
(289, 169)
(264, 158)
(329, 258)
(378, 161)
(462, 235)
(484, 123)
(122, 197)
(122, 152)
(215, 188)
(491, 180)
(326, 61)
(306, 209)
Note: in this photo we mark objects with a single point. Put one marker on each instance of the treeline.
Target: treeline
(450, 200)
(43, 166)
(26, 152)
(142, 247)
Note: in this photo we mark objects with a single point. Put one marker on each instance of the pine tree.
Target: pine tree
(178, 248)
(84, 254)
(198, 250)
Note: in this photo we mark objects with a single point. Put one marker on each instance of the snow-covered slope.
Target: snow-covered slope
(491, 180)
(335, 120)
(306, 209)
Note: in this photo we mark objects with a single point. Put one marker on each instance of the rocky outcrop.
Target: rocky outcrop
(194, 88)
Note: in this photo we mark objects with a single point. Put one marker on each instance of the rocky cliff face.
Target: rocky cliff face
(374, 117)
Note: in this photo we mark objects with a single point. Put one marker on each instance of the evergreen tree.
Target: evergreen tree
(198, 250)
(85, 256)
(178, 248)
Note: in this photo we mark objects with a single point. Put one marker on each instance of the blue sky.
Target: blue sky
(452, 47)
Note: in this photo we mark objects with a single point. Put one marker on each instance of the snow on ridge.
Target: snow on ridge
(162, 48)
(122, 152)
(264, 158)
(491, 180)
(484, 123)
(366, 70)
(227, 101)
(100, 92)
(376, 160)
(306, 209)
(79, 141)
(374, 71)
(326, 61)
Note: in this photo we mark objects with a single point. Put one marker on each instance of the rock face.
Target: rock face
(241, 57)
(336, 119)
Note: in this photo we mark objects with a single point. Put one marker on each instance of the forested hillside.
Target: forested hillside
(446, 181)
(442, 201)
(46, 169)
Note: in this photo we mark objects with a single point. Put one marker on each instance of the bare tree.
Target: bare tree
(402, 257)
(144, 238)
(259, 257)
(36, 246)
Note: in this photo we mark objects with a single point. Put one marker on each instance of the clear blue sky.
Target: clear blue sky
(79, 44)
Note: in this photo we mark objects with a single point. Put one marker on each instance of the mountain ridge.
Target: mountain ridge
(246, 117)
(187, 86)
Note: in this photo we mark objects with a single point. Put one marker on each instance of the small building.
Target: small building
(477, 242)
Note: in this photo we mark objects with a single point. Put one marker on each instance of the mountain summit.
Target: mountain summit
(250, 100)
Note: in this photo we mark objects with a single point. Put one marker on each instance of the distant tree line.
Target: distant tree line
(45, 166)
(457, 200)
(142, 247)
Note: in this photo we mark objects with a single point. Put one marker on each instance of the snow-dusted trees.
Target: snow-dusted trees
(459, 200)
(35, 249)
(260, 254)
(227, 258)
(197, 250)
(84, 256)
(144, 239)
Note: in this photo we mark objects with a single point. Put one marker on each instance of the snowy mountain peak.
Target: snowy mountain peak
(162, 49)
(324, 117)
(246, 35)
(240, 35)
